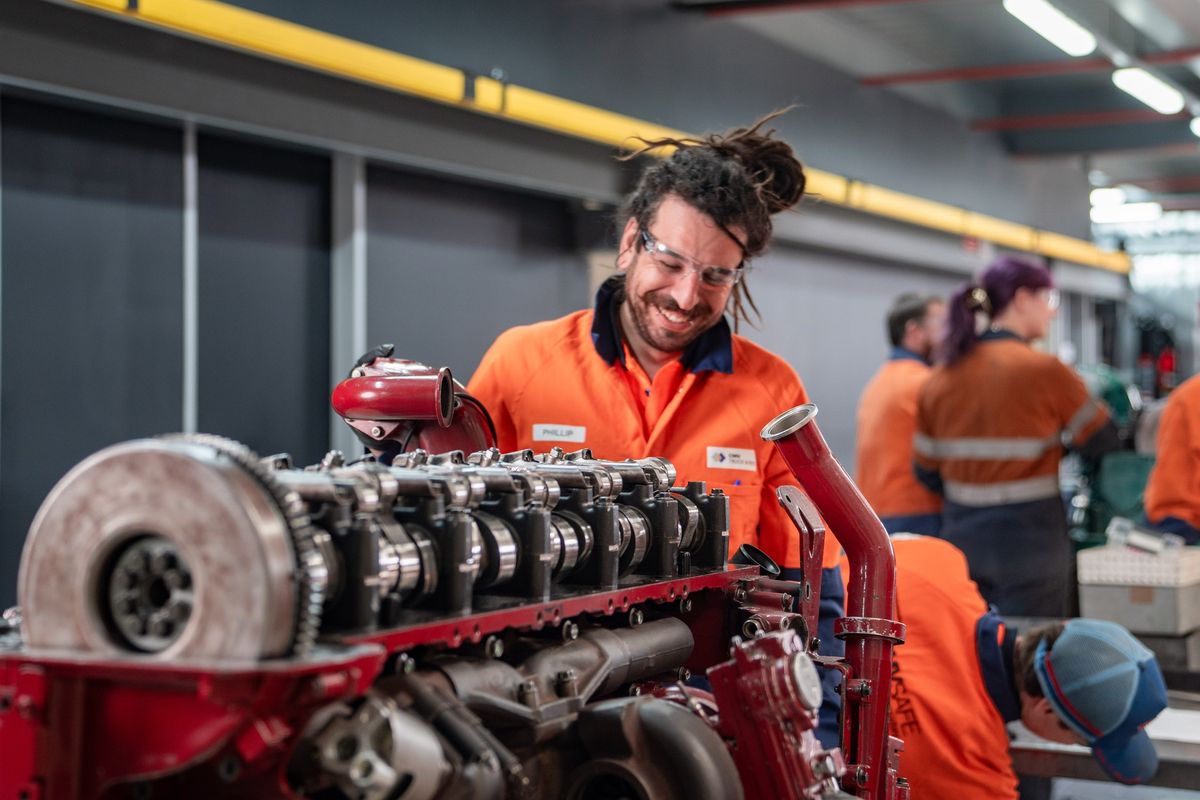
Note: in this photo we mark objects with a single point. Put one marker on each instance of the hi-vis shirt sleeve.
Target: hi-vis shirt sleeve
(492, 385)
(927, 466)
(1081, 415)
(1173, 490)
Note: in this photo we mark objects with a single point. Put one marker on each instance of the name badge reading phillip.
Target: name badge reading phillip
(732, 458)
(549, 432)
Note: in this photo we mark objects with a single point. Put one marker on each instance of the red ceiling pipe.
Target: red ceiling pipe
(870, 628)
(1076, 119)
(1036, 69)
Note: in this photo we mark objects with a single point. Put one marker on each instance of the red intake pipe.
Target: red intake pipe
(407, 391)
(870, 628)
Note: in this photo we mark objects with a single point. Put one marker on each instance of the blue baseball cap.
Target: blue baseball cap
(1106, 686)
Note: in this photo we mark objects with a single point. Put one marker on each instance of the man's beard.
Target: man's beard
(640, 309)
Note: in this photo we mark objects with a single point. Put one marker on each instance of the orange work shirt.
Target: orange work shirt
(993, 424)
(571, 383)
(887, 422)
(1173, 490)
(955, 741)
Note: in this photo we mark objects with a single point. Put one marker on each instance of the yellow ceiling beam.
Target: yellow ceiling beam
(296, 44)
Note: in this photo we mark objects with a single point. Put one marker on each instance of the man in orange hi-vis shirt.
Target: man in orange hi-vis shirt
(654, 368)
(887, 419)
(1173, 490)
(962, 674)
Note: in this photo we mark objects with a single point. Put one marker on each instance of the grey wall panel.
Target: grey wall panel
(92, 297)
(264, 296)
(824, 313)
(450, 266)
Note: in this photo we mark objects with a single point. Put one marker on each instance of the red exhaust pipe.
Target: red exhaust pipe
(870, 628)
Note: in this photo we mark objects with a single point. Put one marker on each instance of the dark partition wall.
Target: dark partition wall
(264, 264)
(451, 265)
(90, 322)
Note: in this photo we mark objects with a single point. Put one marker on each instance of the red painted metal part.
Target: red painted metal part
(763, 710)
(1036, 69)
(413, 404)
(1082, 119)
(72, 727)
(535, 616)
(870, 599)
(76, 727)
(812, 548)
(416, 393)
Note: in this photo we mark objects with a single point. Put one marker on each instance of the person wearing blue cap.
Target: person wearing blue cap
(962, 674)
(1101, 684)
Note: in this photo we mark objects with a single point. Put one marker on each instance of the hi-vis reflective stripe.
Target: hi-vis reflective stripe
(999, 494)
(1080, 419)
(985, 449)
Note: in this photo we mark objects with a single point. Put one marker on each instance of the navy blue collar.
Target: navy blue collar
(996, 664)
(712, 351)
(996, 335)
(903, 353)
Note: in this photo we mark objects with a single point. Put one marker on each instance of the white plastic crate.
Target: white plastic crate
(1149, 594)
(1122, 566)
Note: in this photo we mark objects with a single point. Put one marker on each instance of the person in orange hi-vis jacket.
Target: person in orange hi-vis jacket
(887, 419)
(655, 369)
(1173, 490)
(962, 674)
(992, 424)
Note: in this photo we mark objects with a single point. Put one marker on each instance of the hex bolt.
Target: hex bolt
(636, 617)
(566, 683)
(860, 776)
(493, 647)
(635, 690)
(684, 674)
(528, 693)
(570, 631)
(376, 431)
(739, 594)
(685, 604)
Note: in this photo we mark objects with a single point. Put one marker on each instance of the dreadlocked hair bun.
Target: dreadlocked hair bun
(739, 178)
(772, 166)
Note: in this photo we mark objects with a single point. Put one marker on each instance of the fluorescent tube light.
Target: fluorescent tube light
(1052, 25)
(1195, 125)
(1126, 212)
(1150, 89)
(1111, 196)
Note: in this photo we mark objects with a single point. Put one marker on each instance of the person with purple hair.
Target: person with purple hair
(992, 424)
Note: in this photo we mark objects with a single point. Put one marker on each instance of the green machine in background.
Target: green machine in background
(1114, 485)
